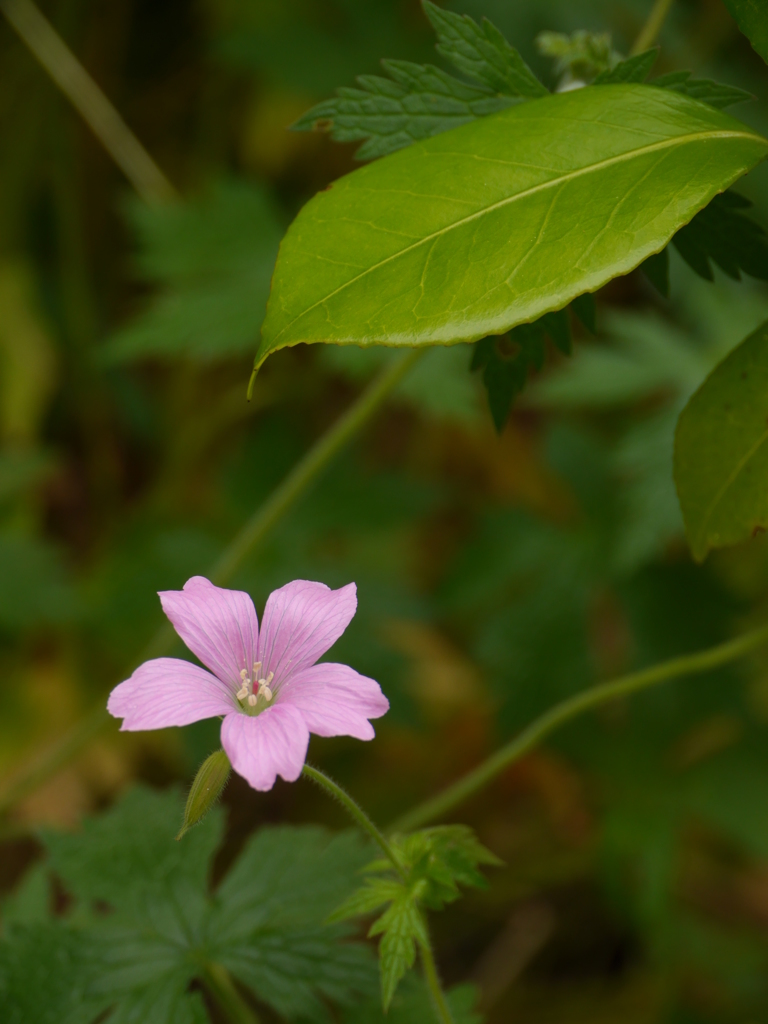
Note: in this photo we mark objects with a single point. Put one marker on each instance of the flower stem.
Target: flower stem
(218, 982)
(355, 811)
(440, 1003)
(86, 97)
(532, 735)
(301, 477)
(650, 30)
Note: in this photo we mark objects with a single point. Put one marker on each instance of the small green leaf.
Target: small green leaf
(482, 53)
(373, 895)
(721, 458)
(722, 234)
(401, 927)
(429, 246)
(206, 788)
(702, 89)
(751, 18)
(633, 69)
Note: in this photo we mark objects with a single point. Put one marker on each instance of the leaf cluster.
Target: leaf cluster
(433, 863)
(144, 924)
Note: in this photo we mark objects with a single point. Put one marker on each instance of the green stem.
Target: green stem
(650, 30)
(314, 462)
(355, 811)
(223, 991)
(442, 1009)
(252, 533)
(87, 98)
(532, 735)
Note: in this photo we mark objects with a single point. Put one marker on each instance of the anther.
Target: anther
(243, 692)
(252, 700)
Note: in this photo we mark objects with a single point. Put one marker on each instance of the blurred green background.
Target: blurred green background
(496, 574)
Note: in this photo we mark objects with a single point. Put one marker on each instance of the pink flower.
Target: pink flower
(264, 682)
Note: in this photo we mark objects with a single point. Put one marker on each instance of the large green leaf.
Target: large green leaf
(721, 458)
(499, 221)
(752, 18)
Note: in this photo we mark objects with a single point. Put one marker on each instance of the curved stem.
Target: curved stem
(314, 462)
(86, 97)
(442, 1009)
(650, 30)
(266, 517)
(219, 984)
(355, 811)
(563, 712)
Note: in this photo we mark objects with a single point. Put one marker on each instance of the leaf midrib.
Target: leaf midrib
(561, 179)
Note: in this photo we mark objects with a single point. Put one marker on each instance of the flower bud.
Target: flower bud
(206, 789)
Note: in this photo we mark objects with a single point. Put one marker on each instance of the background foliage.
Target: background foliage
(496, 572)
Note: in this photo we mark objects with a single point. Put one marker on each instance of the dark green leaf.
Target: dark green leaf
(722, 234)
(265, 924)
(656, 269)
(633, 69)
(721, 459)
(46, 977)
(702, 89)
(211, 260)
(481, 52)
(751, 19)
(390, 113)
(428, 246)
(505, 361)
(585, 309)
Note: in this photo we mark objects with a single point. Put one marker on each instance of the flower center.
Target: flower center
(255, 695)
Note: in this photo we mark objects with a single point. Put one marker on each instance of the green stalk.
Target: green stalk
(360, 818)
(650, 30)
(355, 811)
(298, 481)
(440, 1003)
(218, 983)
(86, 97)
(560, 714)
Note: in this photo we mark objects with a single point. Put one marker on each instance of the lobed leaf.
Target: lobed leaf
(703, 89)
(721, 458)
(633, 69)
(474, 232)
(482, 53)
(720, 233)
(416, 102)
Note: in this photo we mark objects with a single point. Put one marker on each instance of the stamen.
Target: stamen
(243, 674)
(252, 700)
(266, 691)
(256, 669)
(243, 692)
(269, 678)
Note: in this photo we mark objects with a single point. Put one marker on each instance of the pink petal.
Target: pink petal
(334, 700)
(168, 691)
(219, 626)
(301, 621)
(267, 745)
